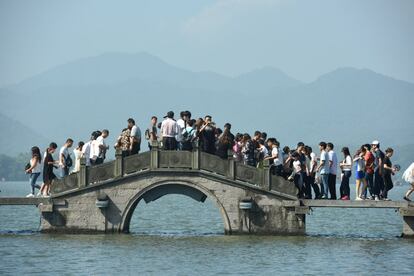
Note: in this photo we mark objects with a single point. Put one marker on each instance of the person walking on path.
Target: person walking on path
(333, 166)
(48, 164)
(78, 155)
(65, 162)
(169, 130)
(135, 137)
(34, 170)
(345, 166)
(389, 171)
(408, 176)
(323, 169)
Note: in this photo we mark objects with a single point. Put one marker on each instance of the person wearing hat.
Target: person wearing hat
(169, 130)
(378, 170)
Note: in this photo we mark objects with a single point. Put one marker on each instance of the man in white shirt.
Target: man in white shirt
(276, 157)
(86, 151)
(323, 169)
(63, 157)
(169, 130)
(333, 167)
(135, 137)
(185, 116)
(101, 147)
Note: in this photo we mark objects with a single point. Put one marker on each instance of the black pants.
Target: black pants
(99, 160)
(135, 149)
(332, 185)
(277, 170)
(378, 184)
(388, 185)
(307, 186)
(316, 190)
(169, 143)
(370, 183)
(298, 180)
(344, 189)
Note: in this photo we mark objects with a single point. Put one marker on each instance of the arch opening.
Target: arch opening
(177, 209)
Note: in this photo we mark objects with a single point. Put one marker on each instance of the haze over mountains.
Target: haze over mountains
(347, 106)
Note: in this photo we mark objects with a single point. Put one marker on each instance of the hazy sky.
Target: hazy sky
(302, 38)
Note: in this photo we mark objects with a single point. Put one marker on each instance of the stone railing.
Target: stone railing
(158, 159)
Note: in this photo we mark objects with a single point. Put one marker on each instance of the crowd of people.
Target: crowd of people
(314, 177)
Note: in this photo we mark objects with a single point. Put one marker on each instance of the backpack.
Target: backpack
(147, 134)
(187, 136)
(68, 161)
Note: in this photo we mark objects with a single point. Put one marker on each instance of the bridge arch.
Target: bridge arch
(166, 187)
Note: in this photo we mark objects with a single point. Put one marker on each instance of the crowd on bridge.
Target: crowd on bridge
(314, 176)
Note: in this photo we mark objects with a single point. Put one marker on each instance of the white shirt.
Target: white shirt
(169, 128)
(325, 167)
(332, 157)
(94, 150)
(180, 129)
(136, 132)
(277, 160)
(63, 151)
(78, 155)
(360, 165)
(297, 166)
(347, 164)
(314, 161)
(86, 150)
(37, 168)
(100, 141)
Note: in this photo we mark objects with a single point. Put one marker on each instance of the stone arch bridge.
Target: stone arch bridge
(102, 198)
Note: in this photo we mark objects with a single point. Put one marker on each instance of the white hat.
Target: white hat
(375, 142)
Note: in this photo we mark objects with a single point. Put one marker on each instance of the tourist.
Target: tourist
(135, 137)
(169, 131)
(185, 116)
(389, 170)
(275, 158)
(324, 170)
(333, 165)
(94, 147)
(207, 135)
(151, 132)
(369, 170)
(65, 161)
(408, 176)
(188, 135)
(248, 151)
(312, 164)
(378, 170)
(256, 138)
(227, 126)
(101, 147)
(86, 149)
(224, 144)
(123, 142)
(78, 155)
(346, 166)
(309, 179)
(360, 171)
(262, 153)
(34, 170)
(287, 162)
(296, 175)
(48, 165)
(237, 148)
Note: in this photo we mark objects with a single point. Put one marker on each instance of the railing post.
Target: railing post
(119, 163)
(232, 165)
(267, 178)
(154, 155)
(83, 173)
(195, 164)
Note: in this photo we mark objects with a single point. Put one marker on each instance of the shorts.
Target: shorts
(360, 175)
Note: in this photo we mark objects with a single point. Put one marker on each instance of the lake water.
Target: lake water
(187, 239)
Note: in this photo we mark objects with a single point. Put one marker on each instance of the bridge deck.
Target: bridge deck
(356, 204)
(23, 200)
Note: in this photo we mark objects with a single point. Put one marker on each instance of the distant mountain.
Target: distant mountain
(347, 106)
(16, 137)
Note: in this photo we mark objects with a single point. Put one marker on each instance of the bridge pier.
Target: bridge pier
(408, 222)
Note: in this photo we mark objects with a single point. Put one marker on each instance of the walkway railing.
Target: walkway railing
(160, 160)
